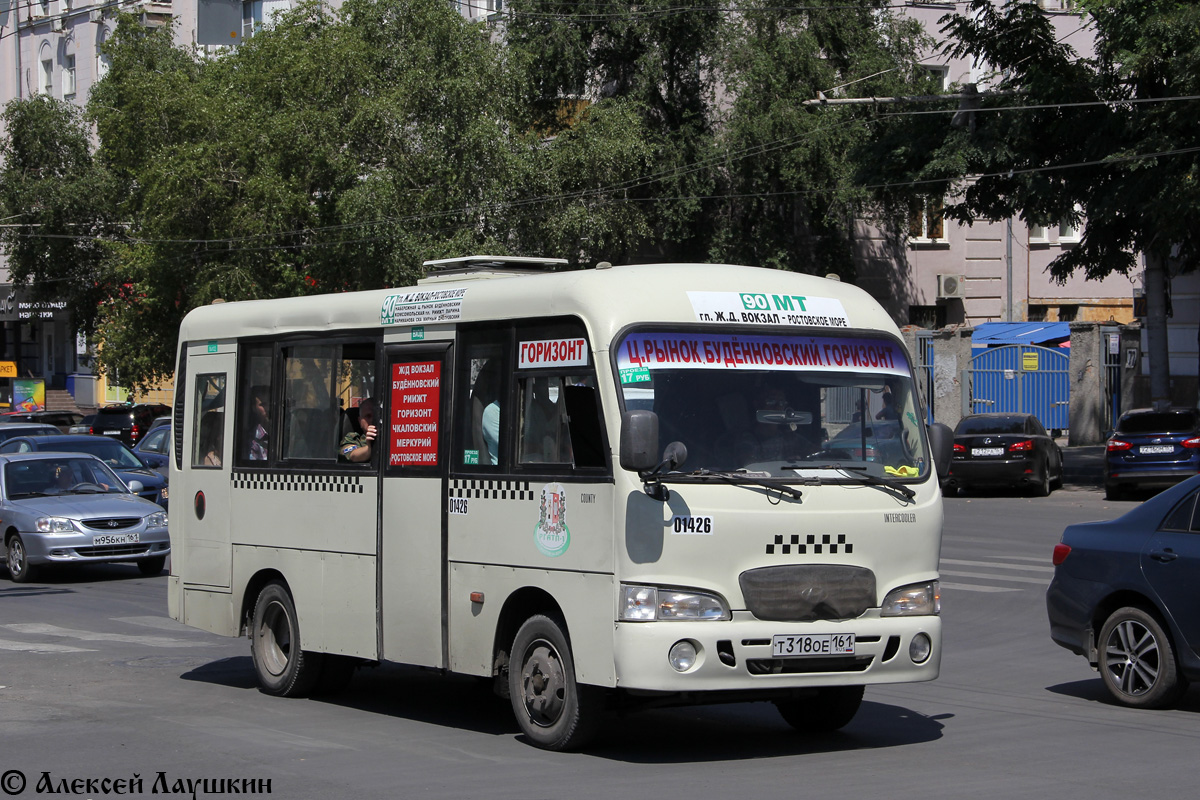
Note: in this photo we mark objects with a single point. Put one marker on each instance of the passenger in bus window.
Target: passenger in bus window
(259, 421)
(356, 446)
(211, 428)
(485, 413)
(889, 410)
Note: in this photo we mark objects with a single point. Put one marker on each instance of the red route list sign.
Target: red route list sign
(413, 427)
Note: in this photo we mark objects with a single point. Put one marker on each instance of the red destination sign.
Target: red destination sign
(413, 427)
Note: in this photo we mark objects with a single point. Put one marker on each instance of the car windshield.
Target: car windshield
(111, 452)
(1158, 422)
(974, 425)
(58, 476)
(778, 406)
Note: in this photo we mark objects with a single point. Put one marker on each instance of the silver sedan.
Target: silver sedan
(65, 508)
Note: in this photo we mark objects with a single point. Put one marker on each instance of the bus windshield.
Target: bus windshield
(778, 406)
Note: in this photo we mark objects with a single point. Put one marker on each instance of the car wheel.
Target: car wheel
(152, 566)
(19, 568)
(831, 709)
(1137, 661)
(553, 711)
(1042, 487)
(281, 665)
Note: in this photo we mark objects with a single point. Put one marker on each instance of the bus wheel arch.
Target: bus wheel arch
(522, 604)
(281, 664)
(553, 710)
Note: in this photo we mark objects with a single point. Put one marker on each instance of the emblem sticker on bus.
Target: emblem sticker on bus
(551, 536)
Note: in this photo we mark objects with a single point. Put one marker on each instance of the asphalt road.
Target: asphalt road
(96, 682)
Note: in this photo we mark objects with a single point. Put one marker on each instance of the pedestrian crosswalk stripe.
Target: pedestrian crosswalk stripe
(996, 565)
(35, 647)
(37, 628)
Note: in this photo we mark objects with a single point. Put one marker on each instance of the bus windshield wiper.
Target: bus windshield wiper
(737, 478)
(860, 473)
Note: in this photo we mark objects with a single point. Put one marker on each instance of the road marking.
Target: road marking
(33, 647)
(996, 564)
(159, 623)
(93, 636)
(970, 587)
(1017, 578)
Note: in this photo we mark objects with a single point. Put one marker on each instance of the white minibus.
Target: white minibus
(617, 487)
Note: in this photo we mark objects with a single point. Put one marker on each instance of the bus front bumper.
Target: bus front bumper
(738, 655)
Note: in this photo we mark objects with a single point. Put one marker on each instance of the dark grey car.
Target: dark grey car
(61, 508)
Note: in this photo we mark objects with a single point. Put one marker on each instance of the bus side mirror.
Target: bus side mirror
(639, 440)
(941, 444)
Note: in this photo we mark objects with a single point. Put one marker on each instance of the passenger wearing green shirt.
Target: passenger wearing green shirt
(356, 446)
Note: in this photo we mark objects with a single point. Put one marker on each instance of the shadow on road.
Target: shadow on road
(731, 732)
(1093, 691)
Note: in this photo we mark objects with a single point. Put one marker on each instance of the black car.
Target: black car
(1004, 451)
(1124, 597)
(116, 455)
(63, 420)
(9, 430)
(1152, 450)
(127, 422)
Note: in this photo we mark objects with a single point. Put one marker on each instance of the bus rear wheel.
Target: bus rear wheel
(829, 710)
(553, 711)
(282, 667)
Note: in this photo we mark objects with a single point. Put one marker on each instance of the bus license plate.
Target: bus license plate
(116, 538)
(987, 451)
(812, 644)
(1155, 449)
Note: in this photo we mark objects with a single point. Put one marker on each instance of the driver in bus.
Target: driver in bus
(356, 446)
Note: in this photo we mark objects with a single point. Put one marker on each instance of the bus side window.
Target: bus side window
(482, 397)
(560, 421)
(208, 414)
(255, 416)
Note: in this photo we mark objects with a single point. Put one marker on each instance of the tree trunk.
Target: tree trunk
(1156, 332)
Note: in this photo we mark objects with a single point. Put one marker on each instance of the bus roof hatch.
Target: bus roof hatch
(487, 266)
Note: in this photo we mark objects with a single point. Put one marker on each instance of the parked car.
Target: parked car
(1004, 451)
(152, 448)
(84, 425)
(1124, 597)
(1152, 449)
(61, 508)
(63, 420)
(127, 423)
(111, 452)
(10, 429)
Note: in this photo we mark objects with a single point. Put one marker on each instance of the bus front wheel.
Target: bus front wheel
(830, 709)
(282, 667)
(553, 711)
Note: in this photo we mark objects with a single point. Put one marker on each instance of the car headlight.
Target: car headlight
(917, 600)
(647, 603)
(54, 525)
(157, 520)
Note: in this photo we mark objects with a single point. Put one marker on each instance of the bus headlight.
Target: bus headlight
(917, 600)
(648, 603)
(55, 525)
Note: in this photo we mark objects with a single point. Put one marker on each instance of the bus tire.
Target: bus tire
(552, 710)
(282, 667)
(829, 710)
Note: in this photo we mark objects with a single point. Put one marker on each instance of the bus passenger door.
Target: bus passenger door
(202, 507)
(412, 531)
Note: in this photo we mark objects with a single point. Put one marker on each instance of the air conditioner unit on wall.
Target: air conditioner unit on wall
(951, 286)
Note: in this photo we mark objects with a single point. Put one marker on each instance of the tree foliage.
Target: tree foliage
(337, 151)
(1064, 137)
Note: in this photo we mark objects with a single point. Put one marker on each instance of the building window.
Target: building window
(68, 86)
(925, 223)
(1037, 233)
(1037, 313)
(43, 8)
(47, 84)
(1068, 231)
(940, 75)
(1068, 313)
(252, 17)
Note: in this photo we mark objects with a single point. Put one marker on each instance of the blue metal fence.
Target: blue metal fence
(1022, 379)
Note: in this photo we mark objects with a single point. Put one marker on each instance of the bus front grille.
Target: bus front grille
(806, 592)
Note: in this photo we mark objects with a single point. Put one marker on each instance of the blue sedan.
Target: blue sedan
(110, 451)
(1151, 450)
(1124, 597)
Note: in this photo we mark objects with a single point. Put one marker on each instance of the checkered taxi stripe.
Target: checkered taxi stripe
(491, 490)
(825, 545)
(274, 482)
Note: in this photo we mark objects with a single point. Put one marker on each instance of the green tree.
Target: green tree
(1064, 137)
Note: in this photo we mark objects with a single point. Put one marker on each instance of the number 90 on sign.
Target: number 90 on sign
(812, 644)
